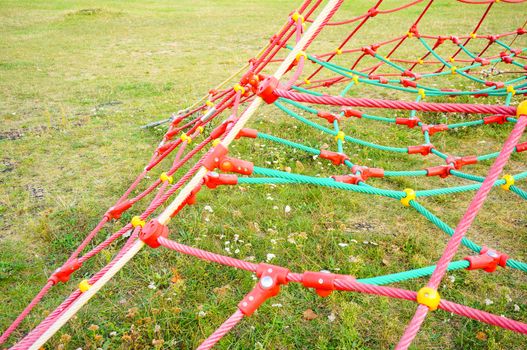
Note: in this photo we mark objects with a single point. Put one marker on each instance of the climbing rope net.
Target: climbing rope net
(315, 92)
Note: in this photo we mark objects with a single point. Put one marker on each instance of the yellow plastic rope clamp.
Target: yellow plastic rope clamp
(429, 297)
(300, 54)
(164, 177)
(452, 59)
(355, 79)
(509, 181)
(216, 142)
(420, 61)
(200, 129)
(136, 221)
(84, 285)
(410, 195)
(453, 69)
(295, 16)
(522, 109)
(238, 87)
(340, 136)
(338, 51)
(307, 81)
(209, 103)
(387, 59)
(510, 90)
(185, 137)
(409, 34)
(421, 93)
(473, 35)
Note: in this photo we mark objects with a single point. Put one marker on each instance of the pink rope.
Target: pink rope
(222, 330)
(205, 255)
(391, 104)
(463, 226)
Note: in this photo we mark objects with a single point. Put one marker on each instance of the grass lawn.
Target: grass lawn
(79, 78)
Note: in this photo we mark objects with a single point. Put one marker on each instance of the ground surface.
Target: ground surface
(77, 79)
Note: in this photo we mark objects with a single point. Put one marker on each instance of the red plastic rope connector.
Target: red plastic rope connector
(488, 260)
(366, 172)
(190, 200)
(213, 159)
(409, 73)
(432, 129)
(63, 273)
(348, 112)
(271, 278)
(266, 89)
(369, 50)
(213, 179)
(423, 149)
(373, 12)
(409, 122)
(330, 117)
(218, 159)
(440, 170)
(348, 179)
(499, 119)
(335, 157)
(379, 78)
(323, 282)
(408, 83)
(117, 210)
(521, 147)
(246, 132)
(460, 162)
(482, 61)
(152, 231)
(497, 84)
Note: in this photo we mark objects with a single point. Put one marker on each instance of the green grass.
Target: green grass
(78, 79)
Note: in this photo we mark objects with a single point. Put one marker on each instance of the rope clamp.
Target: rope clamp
(164, 177)
(441, 170)
(348, 179)
(136, 221)
(295, 16)
(348, 112)
(410, 196)
(249, 133)
(340, 136)
(218, 159)
(429, 297)
(84, 285)
(488, 260)
(271, 278)
(509, 181)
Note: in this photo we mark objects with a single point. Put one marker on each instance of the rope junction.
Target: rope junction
(301, 100)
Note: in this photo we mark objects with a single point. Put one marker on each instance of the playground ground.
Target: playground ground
(78, 79)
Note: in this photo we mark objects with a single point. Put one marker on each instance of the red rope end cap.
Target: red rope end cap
(334, 157)
(117, 210)
(409, 122)
(213, 179)
(460, 162)
(348, 112)
(423, 149)
(366, 172)
(63, 273)
(246, 132)
(152, 231)
(441, 170)
(488, 260)
(348, 179)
